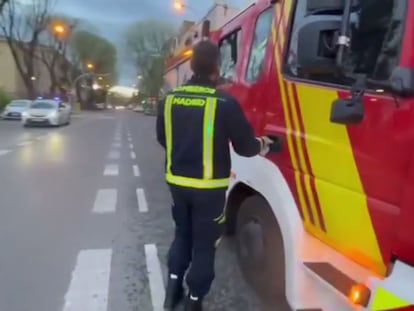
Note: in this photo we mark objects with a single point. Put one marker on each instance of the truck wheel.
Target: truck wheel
(260, 250)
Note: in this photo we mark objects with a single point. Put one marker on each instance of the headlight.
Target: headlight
(25, 114)
(53, 114)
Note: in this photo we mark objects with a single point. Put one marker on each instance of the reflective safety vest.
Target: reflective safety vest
(209, 105)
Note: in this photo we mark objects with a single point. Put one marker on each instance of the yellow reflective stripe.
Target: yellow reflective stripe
(385, 300)
(195, 89)
(218, 242)
(168, 130)
(208, 137)
(221, 219)
(197, 183)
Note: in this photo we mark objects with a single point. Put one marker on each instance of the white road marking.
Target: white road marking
(116, 145)
(25, 143)
(4, 152)
(135, 168)
(142, 201)
(114, 155)
(131, 146)
(156, 281)
(117, 138)
(89, 286)
(111, 170)
(133, 155)
(129, 139)
(105, 201)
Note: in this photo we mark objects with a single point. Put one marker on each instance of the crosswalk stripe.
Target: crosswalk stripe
(25, 143)
(89, 286)
(105, 201)
(4, 152)
(111, 170)
(114, 155)
(155, 277)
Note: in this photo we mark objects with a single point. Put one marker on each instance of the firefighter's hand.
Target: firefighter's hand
(265, 145)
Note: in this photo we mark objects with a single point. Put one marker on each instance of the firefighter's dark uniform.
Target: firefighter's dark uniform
(195, 125)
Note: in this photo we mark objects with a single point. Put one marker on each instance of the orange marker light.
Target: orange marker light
(360, 294)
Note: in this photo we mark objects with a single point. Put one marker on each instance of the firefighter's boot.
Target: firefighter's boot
(174, 293)
(193, 303)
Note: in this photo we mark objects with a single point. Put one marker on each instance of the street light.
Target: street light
(90, 66)
(59, 29)
(178, 5)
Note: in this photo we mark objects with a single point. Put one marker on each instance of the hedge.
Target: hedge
(5, 98)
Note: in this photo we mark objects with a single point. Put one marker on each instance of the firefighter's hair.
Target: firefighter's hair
(205, 58)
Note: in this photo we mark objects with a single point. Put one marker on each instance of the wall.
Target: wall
(8, 72)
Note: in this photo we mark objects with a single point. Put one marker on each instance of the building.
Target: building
(11, 80)
(178, 64)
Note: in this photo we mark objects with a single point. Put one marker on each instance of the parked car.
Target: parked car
(100, 106)
(14, 110)
(47, 112)
(138, 108)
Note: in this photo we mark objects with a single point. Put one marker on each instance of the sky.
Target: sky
(112, 17)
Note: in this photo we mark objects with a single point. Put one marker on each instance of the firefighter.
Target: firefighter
(195, 124)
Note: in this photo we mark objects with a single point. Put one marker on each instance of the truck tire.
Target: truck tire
(260, 251)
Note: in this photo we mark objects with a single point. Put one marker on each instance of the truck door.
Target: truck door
(255, 77)
(347, 179)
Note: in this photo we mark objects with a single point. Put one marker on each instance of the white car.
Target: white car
(14, 110)
(47, 112)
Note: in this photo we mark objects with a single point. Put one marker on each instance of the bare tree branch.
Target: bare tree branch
(22, 26)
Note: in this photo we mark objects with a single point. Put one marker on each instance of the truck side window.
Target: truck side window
(377, 30)
(229, 54)
(258, 50)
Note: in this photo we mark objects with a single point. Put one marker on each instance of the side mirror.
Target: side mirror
(317, 46)
(347, 111)
(402, 81)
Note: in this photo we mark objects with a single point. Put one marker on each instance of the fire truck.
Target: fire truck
(326, 220)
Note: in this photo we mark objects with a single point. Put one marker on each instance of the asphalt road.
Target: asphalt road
(85, 220)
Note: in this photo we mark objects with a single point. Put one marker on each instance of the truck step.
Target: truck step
(341, 282)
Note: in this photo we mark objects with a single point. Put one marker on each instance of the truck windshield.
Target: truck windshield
(377, 30)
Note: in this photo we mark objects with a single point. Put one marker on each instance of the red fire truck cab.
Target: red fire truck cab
(326, 223)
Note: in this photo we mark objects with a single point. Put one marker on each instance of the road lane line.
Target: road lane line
(89, 285)
(4, 152)
(142, 201)
(105, 201)
(114, 155)
(156, 281)
(25, 143)
(129, 139)
(133, 155)
(135, 168)
(116, 145)
(131, 146)
(111, 170)
(117, 138)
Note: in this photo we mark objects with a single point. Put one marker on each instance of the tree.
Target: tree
(54, 53)
(147, 42)
(22, 26)
(101, 54)
(2, 4)
(91, 48)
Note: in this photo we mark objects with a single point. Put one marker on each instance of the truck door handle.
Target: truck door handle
(277, 143)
